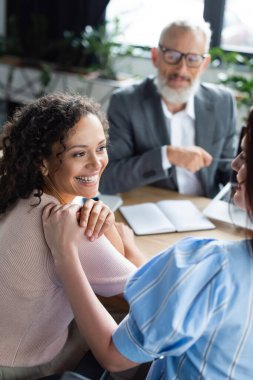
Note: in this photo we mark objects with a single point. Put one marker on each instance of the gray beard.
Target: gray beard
(175, 96)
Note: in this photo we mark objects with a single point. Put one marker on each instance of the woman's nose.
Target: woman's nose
(94, 161)
(235, 164)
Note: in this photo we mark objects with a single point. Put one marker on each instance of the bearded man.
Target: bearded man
(173, 131)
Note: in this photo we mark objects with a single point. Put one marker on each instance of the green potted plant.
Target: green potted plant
(237, 74)
(61, 64)
(101, 43)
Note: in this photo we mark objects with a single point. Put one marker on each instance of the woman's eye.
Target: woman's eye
(102, 148)
(79, 154)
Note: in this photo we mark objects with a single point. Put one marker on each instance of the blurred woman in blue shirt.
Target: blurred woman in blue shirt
(191, 306)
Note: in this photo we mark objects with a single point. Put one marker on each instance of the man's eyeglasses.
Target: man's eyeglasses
(173, 57)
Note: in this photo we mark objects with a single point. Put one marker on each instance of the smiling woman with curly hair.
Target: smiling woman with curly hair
(28, 140)
(54, 150)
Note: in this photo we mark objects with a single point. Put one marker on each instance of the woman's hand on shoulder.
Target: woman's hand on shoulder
(61, 229)
(95, 218)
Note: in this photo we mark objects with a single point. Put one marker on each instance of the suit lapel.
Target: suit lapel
(203, 120)
(156, 124)
(204, 116)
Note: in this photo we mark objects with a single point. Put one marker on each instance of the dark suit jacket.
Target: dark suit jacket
(138, 130)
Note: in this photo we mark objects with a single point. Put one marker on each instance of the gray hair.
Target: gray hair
(200, 26)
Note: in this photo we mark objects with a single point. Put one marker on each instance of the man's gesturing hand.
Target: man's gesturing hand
(192, 158)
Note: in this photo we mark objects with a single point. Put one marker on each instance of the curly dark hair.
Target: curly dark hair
(28, 139)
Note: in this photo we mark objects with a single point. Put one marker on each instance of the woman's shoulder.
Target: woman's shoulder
(22, 237)
(31, 204)
(197, 259)
(206, 253)
(23, 222)
(192, 251)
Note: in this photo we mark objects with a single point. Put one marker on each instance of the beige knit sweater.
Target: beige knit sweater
(34, 310)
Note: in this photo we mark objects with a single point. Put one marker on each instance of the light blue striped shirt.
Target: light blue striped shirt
(191, 312)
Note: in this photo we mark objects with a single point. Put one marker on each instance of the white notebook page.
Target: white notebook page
(146, 218)
(185, 216)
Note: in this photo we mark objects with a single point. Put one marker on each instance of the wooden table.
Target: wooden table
(152, 244)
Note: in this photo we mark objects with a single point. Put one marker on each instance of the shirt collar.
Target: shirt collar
(189, 110)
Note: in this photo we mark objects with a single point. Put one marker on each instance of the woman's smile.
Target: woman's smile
(88, 179)
(77, 170)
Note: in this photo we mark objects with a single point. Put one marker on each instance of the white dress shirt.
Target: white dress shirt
(182, 133)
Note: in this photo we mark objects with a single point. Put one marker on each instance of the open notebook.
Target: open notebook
(165, 216)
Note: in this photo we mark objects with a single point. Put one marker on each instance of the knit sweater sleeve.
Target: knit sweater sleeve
(107, 270)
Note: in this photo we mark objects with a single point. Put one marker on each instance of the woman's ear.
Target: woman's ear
(44, 169)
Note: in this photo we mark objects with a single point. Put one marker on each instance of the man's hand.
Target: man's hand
(192, 158)
(96, 218)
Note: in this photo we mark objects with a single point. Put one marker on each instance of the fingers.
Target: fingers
(96, 218)
(192, 158)
(201, 159)
(197, 158)
(54, 210)
(109, 221)
(207, 158)
(61, 230)
(49, 209)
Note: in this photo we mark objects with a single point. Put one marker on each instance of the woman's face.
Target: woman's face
(239, 165)
(83, 161)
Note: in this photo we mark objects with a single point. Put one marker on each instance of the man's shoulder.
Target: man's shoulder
(137, 89)
(215, 90)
